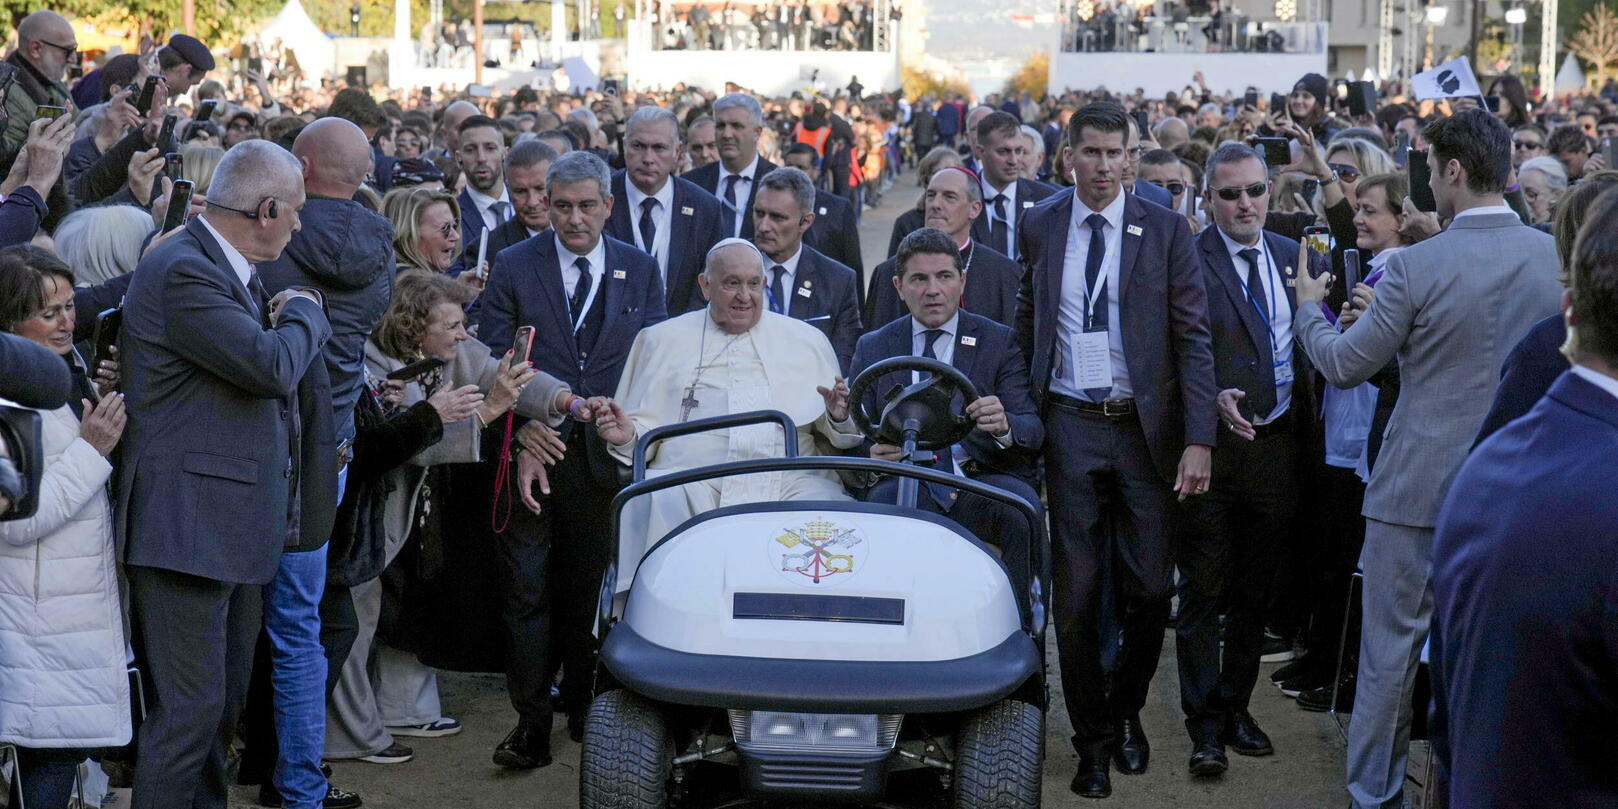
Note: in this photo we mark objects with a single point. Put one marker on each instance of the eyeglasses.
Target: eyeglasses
(1137, 152)
(1527, 145)
(447, 229)
(1173, 188)
(67, 49)
(1346, 173)
(1254, 191)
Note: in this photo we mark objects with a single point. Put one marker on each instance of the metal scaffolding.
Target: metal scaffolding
(1547, 48)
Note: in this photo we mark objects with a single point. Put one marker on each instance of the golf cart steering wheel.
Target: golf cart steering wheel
(925, 407)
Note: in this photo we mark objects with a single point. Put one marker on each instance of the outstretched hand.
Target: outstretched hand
(610, 421)
(836, 398)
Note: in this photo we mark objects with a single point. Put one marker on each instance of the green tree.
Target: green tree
(218, 22)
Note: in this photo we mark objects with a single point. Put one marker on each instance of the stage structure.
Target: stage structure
(772, 60)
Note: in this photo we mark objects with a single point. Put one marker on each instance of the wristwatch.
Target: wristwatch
(1332, 178)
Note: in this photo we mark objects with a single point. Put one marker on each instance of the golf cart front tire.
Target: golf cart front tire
(998, 756)
(628, 754)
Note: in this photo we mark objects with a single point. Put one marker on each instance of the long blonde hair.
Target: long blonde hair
(404, 207)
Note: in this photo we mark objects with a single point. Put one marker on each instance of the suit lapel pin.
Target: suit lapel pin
(969, 341)
(822, 211)
(808, 284)
(685, 210)
(618, 274)
(804, 290)
(1289, 271)
(1028, 203)
(1133, 230)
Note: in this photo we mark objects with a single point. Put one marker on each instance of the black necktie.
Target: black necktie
(501, 210)
(581, 291)
(928, 337)
(1092, 270)
(648, 228)
(1255, 285)
(778, 294)
(999, 229)
(730, 204)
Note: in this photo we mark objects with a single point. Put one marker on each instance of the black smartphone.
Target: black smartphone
(1351, 270)
(205, 110)
(179, 204)
(1609, 150)
(173, 166)
(1251, 99)
(1308, 189)
(1319, 238)
(106, 335)
(416, 369)
(1278, 102)
(148, 92)
(1361, 98)
(1492, 103)
(165, 135)
(1277, 151)
(48, 112)
(1421, 181)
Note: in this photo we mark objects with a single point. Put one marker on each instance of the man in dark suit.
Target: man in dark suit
(949, 121)
(836, 231)
(1131, 430)
(526, 166)
(800, 281)
(484, 203)
(1001, 152)
(1523, 650)
(1002, 450)
(668, 217)
(204, 488)
(953, 199)
(1235, 532)
(587, 296)
(738, 121)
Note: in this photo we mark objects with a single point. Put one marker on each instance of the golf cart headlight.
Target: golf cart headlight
(850, 730)
(814, 730)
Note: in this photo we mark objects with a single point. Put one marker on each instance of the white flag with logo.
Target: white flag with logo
(1448, 80)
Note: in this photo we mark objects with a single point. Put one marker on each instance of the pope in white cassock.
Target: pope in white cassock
(732, 357)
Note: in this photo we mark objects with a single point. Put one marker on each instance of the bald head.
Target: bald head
(45, 39)
(335, 157)
(450, 128)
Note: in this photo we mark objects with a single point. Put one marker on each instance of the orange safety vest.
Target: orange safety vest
(814, 137)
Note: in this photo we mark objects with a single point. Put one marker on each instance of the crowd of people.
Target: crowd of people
(849, 25)
(1200, 26)
(396, 348)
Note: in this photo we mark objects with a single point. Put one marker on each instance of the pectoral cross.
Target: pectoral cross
(689, 403)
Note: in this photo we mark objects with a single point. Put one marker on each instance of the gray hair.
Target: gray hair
(1231, 152)
(707, 260)
(647, 116)
(1555, 173)
(787, 178)
(578, 166)
(974, 186)
(1038, 139)
(743, 101)
(586, 116)
(102, 242)
(252, 171)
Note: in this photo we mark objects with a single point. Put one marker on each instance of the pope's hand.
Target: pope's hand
(836, 398)
(610, 421)
(530, 469)
(887, 452)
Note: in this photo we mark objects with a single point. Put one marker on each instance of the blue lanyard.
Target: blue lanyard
(1265, 285)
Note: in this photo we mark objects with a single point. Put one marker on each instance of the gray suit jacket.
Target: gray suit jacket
(207, 454)
(1450, 309)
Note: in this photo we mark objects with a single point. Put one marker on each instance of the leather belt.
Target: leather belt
(1112, 409)
(1281, 426)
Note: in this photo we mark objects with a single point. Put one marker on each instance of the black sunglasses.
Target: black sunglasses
(1527, 144)
(1254, 191)
(1173, 188)
(63, 48)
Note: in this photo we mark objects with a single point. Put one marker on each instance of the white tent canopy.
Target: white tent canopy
(1570, 79)
(317, 53)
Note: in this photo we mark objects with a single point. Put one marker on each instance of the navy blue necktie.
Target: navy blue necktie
(1255, 285)
(1092, 270)
(778, 295)
(999, 228)
(929, 337)
(730, 204)
(648, 228)
(581, 291)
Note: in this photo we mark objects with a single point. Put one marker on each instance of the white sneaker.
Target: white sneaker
(431, 730)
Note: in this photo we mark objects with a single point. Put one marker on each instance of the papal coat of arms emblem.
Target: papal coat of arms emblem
(819, 551)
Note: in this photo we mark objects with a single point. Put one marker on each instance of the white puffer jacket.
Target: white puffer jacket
(63, 676)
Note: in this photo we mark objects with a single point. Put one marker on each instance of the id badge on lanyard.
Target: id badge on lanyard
(1091, 352)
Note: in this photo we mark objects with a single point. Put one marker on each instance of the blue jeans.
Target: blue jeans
(298, 674)
(46, 776)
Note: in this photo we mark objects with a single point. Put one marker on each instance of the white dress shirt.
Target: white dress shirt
(662, 220)
(484, 202)
(743, 188)
(1598, 379)
(788, 279)
(1070, 314)
(1010, 191)
(1280, 309)
(570, 273)
(944, 350)
(1485, 210)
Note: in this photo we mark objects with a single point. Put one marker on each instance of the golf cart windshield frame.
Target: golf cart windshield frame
(1033, 611)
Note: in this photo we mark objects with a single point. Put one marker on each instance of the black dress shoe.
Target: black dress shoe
(575, 725)
(1245, 737)
(1319, 699)
(524, 748)
(1208, 756)
(1092, 780)
(1133, 752)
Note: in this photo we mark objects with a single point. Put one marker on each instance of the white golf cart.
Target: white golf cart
(812, 649)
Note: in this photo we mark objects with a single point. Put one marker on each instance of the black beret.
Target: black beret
(192, 50)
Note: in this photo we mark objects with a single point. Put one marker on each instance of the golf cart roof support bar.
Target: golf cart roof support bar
(668, 431)
(833, 463)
